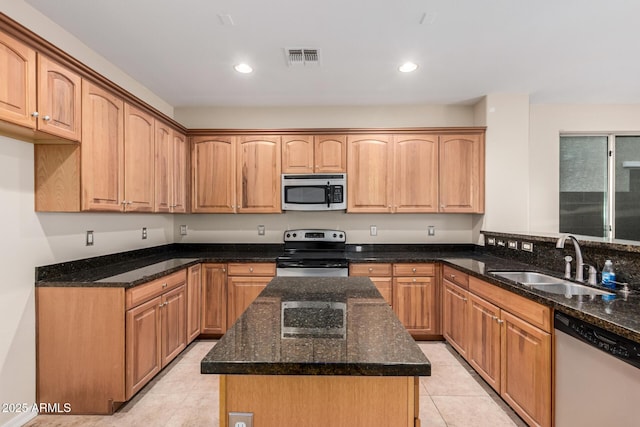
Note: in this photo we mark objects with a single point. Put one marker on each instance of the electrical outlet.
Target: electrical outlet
(373, 230)
(261, 230)
(527, 246)
(491, 241)
(240, 419)
(89, 238)
(183, 230)
(501, 243)
(431, 230)
(144, 233)
(513, 244)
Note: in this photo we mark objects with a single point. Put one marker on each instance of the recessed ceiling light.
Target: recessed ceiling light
(408, 67)
(243, 68)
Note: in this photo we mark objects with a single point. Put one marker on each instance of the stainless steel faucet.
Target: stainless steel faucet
(579, 261)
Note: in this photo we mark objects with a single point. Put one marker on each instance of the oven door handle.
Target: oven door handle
(327, 194)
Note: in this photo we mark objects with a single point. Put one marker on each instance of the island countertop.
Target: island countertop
(318, 326)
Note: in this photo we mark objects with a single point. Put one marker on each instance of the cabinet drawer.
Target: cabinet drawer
(252, 269)
(367, 269)
(414, 269)
(530, 311)
(455, 276)
(141, 293)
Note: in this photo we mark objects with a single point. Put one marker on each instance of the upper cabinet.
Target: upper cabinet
(59, 100)
(139, 154)
(44, 97)
(314, 154)
(18, 82)
(258, 177)
(462, 173)
(102, 150)
(171, 160)
(213, 174)
(369, 173)
(421, 173)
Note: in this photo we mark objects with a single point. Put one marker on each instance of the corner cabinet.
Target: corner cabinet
(245, 282)
(213, 319)
(171, 166)
(462, 173)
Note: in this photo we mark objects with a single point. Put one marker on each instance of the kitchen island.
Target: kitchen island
(318, 352)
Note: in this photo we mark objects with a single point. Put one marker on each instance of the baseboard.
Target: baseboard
(20, 420)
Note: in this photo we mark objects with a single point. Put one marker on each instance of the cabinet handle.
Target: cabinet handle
(164, 285)
(414, 280)
(413, 269)
(161, 305)
(453, 276)
(250, 269)
(46, 118)
(35, 114)
(464, 299)
(224, 270)
(370, 269)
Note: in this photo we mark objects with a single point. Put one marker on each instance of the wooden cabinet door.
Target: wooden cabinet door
(214, 299)
(384, 286)
(484, 352)
(18, 83)
(330, 153)
(414, 302)
(143, 345)
(174, 323)
(139, 147)
(258, 174)
(194, 306)
(526, 370)
(179, 167)
(416, 173)
(163, 181)
(213, 185)
(369, 173)
(462, 173)
(297, 154)
(455, 310)
(241, 293)
(59, 100)
(102, 150)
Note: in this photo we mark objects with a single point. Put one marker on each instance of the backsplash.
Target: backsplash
(626, 258)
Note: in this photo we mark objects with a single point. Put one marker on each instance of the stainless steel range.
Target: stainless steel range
(313, 253)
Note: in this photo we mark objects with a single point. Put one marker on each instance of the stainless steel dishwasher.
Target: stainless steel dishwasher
(597, 376)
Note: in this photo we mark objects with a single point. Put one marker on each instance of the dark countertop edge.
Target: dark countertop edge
(380, 257)
(316, 368)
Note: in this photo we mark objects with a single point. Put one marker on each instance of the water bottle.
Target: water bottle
(608, 275)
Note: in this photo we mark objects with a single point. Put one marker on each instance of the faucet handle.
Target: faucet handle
(593, 275)
(567, 267)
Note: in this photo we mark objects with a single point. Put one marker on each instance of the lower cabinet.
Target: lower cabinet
(214, 299)
(411, 290)
(506, 338)
(194, 295)
(156, 330)
(245, 282)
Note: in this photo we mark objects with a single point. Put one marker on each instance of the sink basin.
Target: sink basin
(550, 284)
(528, 277)
(568, 289)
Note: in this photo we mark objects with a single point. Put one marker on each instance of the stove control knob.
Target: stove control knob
(295, 235)
(334, 235)
(288, 235)
(341, 235)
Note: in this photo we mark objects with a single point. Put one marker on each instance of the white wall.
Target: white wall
(392, 228)
(31, 239)
(546, 124)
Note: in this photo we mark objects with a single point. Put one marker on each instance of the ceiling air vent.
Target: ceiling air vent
(301, 56)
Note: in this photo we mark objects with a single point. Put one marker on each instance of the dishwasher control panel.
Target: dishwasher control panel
(613, 344)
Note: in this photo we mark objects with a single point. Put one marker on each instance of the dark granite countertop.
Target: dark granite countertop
(318, 326)
(619, 315)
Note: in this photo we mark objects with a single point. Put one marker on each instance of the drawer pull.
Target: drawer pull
(370, 269)
(453, 276)
(164, 285)
(413, 269)
(250, 269)
(464, 299)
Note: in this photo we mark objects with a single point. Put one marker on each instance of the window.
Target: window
(600, 185)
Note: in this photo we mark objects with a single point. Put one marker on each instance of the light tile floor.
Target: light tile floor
(179, 396)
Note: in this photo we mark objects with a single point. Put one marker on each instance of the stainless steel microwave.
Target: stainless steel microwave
(314, 192)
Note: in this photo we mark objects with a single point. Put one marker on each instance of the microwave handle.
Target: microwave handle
(327, 194)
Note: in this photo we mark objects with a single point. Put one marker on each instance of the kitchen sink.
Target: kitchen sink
(568, 288)
(529, 277)
(550, 284)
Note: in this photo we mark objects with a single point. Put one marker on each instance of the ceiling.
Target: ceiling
(558, 51)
